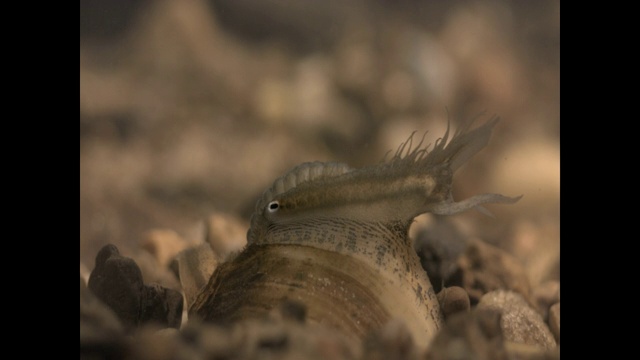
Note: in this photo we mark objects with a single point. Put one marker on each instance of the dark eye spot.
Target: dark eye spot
(273, 206)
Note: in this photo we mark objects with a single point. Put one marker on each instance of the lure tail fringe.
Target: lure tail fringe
(463, 146)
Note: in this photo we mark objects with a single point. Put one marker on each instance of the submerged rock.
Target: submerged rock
(101, 333)
(117, 281)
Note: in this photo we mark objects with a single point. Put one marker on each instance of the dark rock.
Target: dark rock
(101, 333)
(453, 300)
(161, 306)
(117, 281)
(484, 268)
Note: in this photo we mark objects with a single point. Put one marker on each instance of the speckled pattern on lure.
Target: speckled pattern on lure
(336, 239)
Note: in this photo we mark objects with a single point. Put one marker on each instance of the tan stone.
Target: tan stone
(453, 299)
(195, 266)
(226, 234)
(520, 323)
(163, 244)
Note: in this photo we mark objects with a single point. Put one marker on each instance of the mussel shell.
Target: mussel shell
(339, 291)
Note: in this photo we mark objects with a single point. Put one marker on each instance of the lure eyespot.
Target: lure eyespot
(273, 206)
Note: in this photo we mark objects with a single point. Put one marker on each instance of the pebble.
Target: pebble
(520, 323)
(453, 299)
(479, 335)
(484, 268)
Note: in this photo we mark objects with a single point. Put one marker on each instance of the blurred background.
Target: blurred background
(194, 107)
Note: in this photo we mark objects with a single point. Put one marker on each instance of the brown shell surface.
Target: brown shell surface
(352, 276)
(339, 291)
